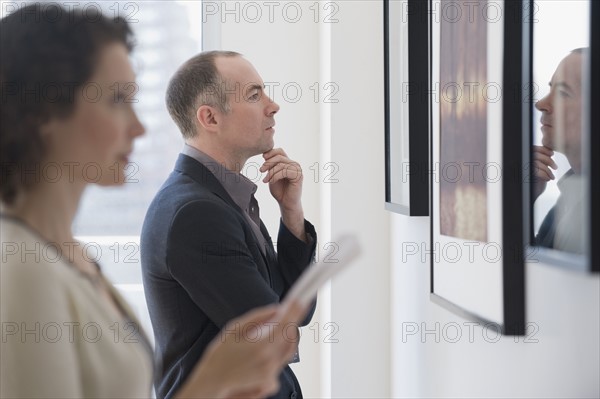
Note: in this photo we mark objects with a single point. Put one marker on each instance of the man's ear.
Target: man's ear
(207, 118)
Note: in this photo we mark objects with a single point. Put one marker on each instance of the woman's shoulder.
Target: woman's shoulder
(27, 258)
(36, 282)
(35, 289)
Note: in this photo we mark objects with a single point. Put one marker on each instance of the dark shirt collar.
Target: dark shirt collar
(238, 186)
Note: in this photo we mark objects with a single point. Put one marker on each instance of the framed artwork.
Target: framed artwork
(560, 135)
(406, 106)
(477, 235)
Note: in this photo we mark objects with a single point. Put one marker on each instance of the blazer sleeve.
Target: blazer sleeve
(208, 256)
(34, 362)
(293, 254)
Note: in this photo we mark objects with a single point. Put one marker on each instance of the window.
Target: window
(110, 219)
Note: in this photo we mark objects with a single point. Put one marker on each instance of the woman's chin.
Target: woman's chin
(114, 175)
(117, 182)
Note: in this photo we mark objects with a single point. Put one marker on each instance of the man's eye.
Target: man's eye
(254, 97)
(563, 94)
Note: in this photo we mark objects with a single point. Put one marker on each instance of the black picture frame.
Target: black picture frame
(589, 261)
(504, 281)
(406, 169)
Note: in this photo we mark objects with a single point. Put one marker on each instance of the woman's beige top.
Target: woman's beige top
(60, 339)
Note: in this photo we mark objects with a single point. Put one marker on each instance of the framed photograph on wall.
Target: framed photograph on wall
(561, 135)
(476, 162)
(406, 106)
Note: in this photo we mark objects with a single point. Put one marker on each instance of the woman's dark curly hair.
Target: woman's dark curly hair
(47, 53)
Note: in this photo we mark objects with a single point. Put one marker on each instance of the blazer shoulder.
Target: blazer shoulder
(178, 190)
(207, 210)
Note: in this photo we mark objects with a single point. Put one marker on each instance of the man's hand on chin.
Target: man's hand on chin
(285, 183)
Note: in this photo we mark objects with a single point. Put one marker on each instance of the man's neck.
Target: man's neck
(229, 161)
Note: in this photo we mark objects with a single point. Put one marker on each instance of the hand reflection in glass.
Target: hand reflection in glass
(561, 126)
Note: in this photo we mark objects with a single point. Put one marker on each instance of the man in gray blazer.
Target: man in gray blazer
(206, 255)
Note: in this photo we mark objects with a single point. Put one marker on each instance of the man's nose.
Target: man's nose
(544, 104)
(272, 107)
(136, 128)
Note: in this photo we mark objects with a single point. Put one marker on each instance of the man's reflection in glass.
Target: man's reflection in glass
(562, 227)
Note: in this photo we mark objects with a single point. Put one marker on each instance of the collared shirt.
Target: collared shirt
(239, 187)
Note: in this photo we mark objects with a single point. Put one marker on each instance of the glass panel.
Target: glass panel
(560, 72)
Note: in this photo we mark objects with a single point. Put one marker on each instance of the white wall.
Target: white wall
(361, 297)
(382, 293)
(561, 357)
(284, 51)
